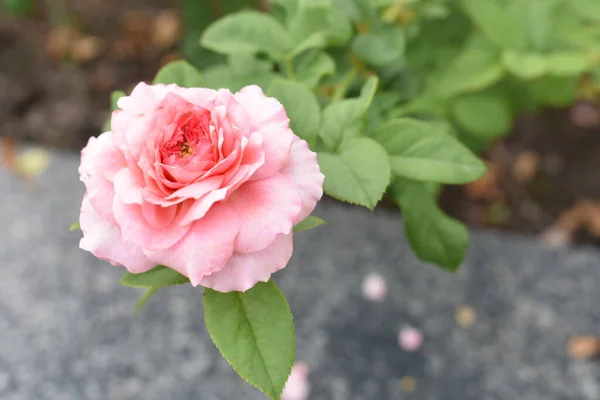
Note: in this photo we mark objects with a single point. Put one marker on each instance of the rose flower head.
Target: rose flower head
(206, 182)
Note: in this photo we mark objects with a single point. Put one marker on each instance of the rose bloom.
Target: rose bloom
(208, 183)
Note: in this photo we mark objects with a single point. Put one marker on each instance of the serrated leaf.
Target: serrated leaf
(486, 115)
(341, 121)
(381, 47)
(568, 64)
(74, 226)
(475, 68)
(497, 23)
(114, 97)
(254, 331)
(367, 92)
(145, 297)
(307, 223)
(433, 236)
(247, 32)
(554, 90)
(301, 105)
(359, 174)
(180, 73)
(421, 151)
(524, 65)
(311, 67)
(157, 277)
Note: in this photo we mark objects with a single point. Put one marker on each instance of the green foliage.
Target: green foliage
(181, 73)
(254, 331)
(74, 226)
(358, 174)
(381, 47)
(302, 107)
(248, 32)
(308, 223)
(433, 236)
(421, 151)
(157, 277)
(18, 7)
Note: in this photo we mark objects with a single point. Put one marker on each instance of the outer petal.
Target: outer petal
(243, 271)
(100, 163)
(268, 116)
(103, 239)
(206, 248)
(137, 229)
(266, 208)
(303, 170)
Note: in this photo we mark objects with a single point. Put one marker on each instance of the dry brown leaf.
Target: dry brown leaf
(486, 187)
(408, 384)
(166, 29)
(58, 44)
(583, 347)
(86, 48)
(585, 214)
(465, 316)
(585, 115)
(526, 166)
(9, 153)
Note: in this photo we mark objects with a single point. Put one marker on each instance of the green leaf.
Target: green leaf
(156, 277)
(311, 67)
(539, 18)
(180, 73)
(114, 97)
(222, 76)
(476, 67)
(524, 65)
(421, 151)
(307, 223)
(367, 92)
(359, 174)
(566, 64)
(341, 121)
(433, 236)
(74, 226)
(380, 47)
(143, 299)
(301, 105)
(497, 24)
(555, 91)
(485, 115)
(247, 32)
(18, 7)
(254, 331)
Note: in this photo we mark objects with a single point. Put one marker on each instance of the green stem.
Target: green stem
(344, 85)
(289, 67)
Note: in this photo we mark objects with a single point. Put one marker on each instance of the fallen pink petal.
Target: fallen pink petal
(374, 287)
(297, 386)
(410, 339)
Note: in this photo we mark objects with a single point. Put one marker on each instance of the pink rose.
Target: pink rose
(206, 182)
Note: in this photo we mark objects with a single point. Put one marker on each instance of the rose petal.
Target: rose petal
(303, 169)
(100, 162)
(206, 248)
(127, 188)
(266, 208)
(244, 270)
(103, 239)
(268, 116)
(136, 229)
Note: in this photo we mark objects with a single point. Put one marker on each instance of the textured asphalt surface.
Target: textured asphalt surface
(67, 328)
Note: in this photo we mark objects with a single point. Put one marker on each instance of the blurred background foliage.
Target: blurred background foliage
(516, 80)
